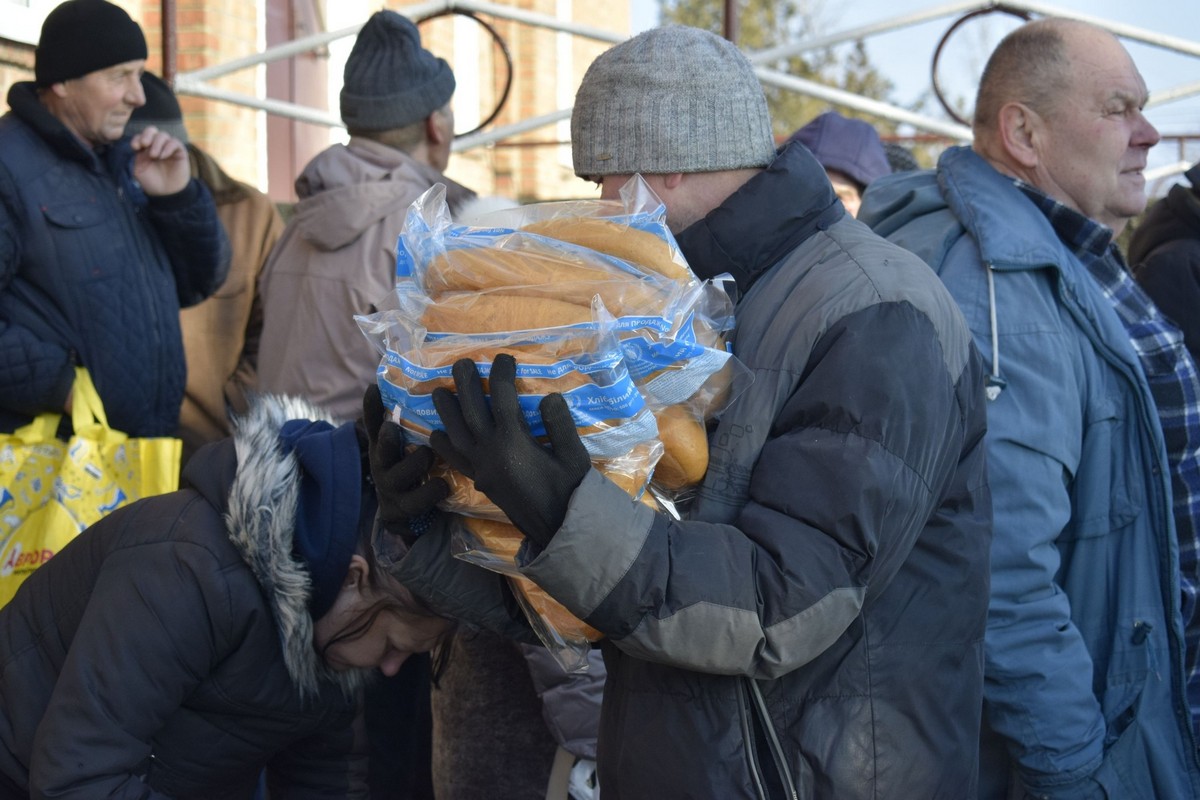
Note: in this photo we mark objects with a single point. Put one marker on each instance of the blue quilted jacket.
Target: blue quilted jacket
(93, 272)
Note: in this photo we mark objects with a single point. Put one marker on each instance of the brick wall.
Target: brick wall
(16, 64)
(210, 32)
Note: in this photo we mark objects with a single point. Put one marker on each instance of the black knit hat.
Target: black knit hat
(390, 80)
(161, 110)
(82, 36)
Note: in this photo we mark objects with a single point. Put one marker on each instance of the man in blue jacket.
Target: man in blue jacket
(813, 626)
(1092, 422)
(102, 238)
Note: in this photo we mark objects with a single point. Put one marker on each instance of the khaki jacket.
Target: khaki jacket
(220, 335)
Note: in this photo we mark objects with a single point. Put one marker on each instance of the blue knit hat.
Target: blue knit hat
(851, 146)
(330, 503)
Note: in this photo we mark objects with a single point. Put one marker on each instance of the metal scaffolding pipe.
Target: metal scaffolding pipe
(195, 82)
(186, 85)
(863, 31)
(1163, 96)
(866, 105)
(496, 134)
(167, 10)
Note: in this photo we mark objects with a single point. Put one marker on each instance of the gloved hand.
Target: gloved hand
(493, 447)
(402, 484)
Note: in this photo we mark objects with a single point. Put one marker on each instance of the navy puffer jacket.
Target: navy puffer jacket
(93, 272)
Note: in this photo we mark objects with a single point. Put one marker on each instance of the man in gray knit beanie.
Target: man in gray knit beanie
(811, 622)
(353, 198)
(673, 100)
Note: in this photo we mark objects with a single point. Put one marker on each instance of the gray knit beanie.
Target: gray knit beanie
(672, 99)
(390, 80)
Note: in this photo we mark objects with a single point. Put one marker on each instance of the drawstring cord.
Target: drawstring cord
(995, 384)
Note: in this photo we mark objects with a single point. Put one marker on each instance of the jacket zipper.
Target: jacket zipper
(747, 725)
(760, 707)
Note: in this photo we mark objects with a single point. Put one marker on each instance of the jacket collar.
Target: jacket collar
(205, 168)
(23, 99)
(964, 176)
(255, 487)
(764, 220)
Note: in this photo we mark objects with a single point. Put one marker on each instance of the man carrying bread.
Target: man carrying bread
(812, 626)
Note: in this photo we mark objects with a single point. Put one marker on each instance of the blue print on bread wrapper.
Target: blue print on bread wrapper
(610, 413)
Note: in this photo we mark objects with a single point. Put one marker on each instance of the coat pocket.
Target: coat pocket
(1105, 487)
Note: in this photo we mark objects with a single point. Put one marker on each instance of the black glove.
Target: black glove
(402, 486)
(530, 483)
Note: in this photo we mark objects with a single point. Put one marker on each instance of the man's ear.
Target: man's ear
(436, 131)
(357, 574)
(672, 180)
(59, 89)
(1019, 129)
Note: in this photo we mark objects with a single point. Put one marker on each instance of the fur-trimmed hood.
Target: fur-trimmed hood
(259, 503)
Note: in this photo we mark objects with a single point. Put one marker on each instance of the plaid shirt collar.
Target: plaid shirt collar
(1089, 240)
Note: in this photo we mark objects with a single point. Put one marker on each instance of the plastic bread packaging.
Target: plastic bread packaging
(494, 275)
(584, 364)
(538, 281)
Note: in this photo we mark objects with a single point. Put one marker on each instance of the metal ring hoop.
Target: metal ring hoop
(937, 53)
(499, 40)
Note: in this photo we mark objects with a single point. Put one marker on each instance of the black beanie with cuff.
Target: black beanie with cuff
(82, 36)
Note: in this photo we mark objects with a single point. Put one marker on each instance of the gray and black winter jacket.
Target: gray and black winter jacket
(813, 627)
(167, 651)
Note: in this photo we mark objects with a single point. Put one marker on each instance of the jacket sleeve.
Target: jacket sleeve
(847, 479)
(194, 239)
(150, 633)
(35, 374)
(450, 586)
(570, 700)
(244, 381)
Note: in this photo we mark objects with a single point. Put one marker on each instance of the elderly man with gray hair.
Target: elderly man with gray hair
(813, 624)
(1093, 422)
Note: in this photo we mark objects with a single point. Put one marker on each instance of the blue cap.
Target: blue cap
(327, 511)
(851, 146)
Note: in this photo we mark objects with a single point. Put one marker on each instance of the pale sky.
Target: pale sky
(904, 57)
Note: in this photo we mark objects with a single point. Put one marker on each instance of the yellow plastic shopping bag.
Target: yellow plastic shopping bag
(50, 490)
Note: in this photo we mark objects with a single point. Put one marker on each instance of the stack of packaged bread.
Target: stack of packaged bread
(595, 301)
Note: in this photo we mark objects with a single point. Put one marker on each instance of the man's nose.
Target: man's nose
(135, 95)
(1145, 134)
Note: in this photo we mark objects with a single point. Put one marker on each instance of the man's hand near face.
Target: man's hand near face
(160, 163)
